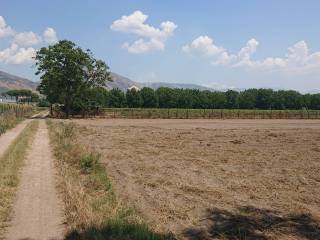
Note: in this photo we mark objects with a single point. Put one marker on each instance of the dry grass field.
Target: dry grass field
(215, 179)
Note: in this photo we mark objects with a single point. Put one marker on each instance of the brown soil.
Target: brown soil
(216, 179)
(37, 210)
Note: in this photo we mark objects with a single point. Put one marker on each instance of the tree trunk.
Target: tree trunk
(67, 106)
(67, 109)
(51, 109)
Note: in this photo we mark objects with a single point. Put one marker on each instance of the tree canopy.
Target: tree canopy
(189, 98)
(26, 93)
(67, 72)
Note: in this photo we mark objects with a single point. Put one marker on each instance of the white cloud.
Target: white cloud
(151, 38)
(27, 39)
(16, 55)
(298, 58)
(205, 45)
(5, 30)
(50, 35)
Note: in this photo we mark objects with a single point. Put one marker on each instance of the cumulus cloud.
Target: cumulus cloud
(151, 38)
(16, 55)
(20, 51)
(5, 30)
(205, 46)
(297, 58)
(27, 39)
(50, 35)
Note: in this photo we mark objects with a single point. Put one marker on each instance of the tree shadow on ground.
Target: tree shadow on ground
(118, 231)
(253, 223)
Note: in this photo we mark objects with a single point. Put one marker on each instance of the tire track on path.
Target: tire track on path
(38, 212)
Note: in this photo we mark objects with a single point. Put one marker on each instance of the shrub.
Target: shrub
(89, 161)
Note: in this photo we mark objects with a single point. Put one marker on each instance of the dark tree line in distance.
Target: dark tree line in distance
(191, 98)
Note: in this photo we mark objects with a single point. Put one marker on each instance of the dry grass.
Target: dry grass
(10, 165)
(226, 180)
(12, 114)
(91, 207)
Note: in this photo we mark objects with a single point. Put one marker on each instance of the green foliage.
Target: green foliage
(89, 161)
(117, 98)
(232, 99)
(134, 99)
(167, 97)
(148, 97)
(25, 94)
(43, 103)
(66, 72)
(194, 99)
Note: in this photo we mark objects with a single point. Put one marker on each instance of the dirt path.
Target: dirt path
(7, 138)
(37, 210)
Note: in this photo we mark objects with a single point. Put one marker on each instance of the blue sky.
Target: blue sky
(219, 44)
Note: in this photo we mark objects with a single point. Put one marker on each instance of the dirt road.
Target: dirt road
(37, 210)
(7, 138)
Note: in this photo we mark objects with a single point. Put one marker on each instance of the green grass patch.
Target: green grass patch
(10, 165)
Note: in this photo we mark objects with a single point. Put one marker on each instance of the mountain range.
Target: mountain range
(9, 81)
(124, 83)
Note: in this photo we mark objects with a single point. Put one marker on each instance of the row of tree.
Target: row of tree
(187, 98)
(22, 95)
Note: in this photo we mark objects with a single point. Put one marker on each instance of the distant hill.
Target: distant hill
(9, 81)
(123, 83)
(156, 85)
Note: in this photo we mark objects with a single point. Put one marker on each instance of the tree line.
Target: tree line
(22, 95)
(191, 98)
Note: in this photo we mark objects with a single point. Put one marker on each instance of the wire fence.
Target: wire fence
(208, 113)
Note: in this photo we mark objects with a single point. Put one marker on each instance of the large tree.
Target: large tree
(66, 71)
(149, 98)
(134, 99)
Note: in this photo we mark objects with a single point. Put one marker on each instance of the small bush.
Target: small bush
(43, 103)
(89, 161)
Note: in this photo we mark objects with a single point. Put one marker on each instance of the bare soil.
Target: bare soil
(216, 179)
(37, 210)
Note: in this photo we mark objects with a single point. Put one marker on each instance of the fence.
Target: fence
(209, 113)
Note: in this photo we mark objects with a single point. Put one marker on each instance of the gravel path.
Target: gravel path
(37, 211)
